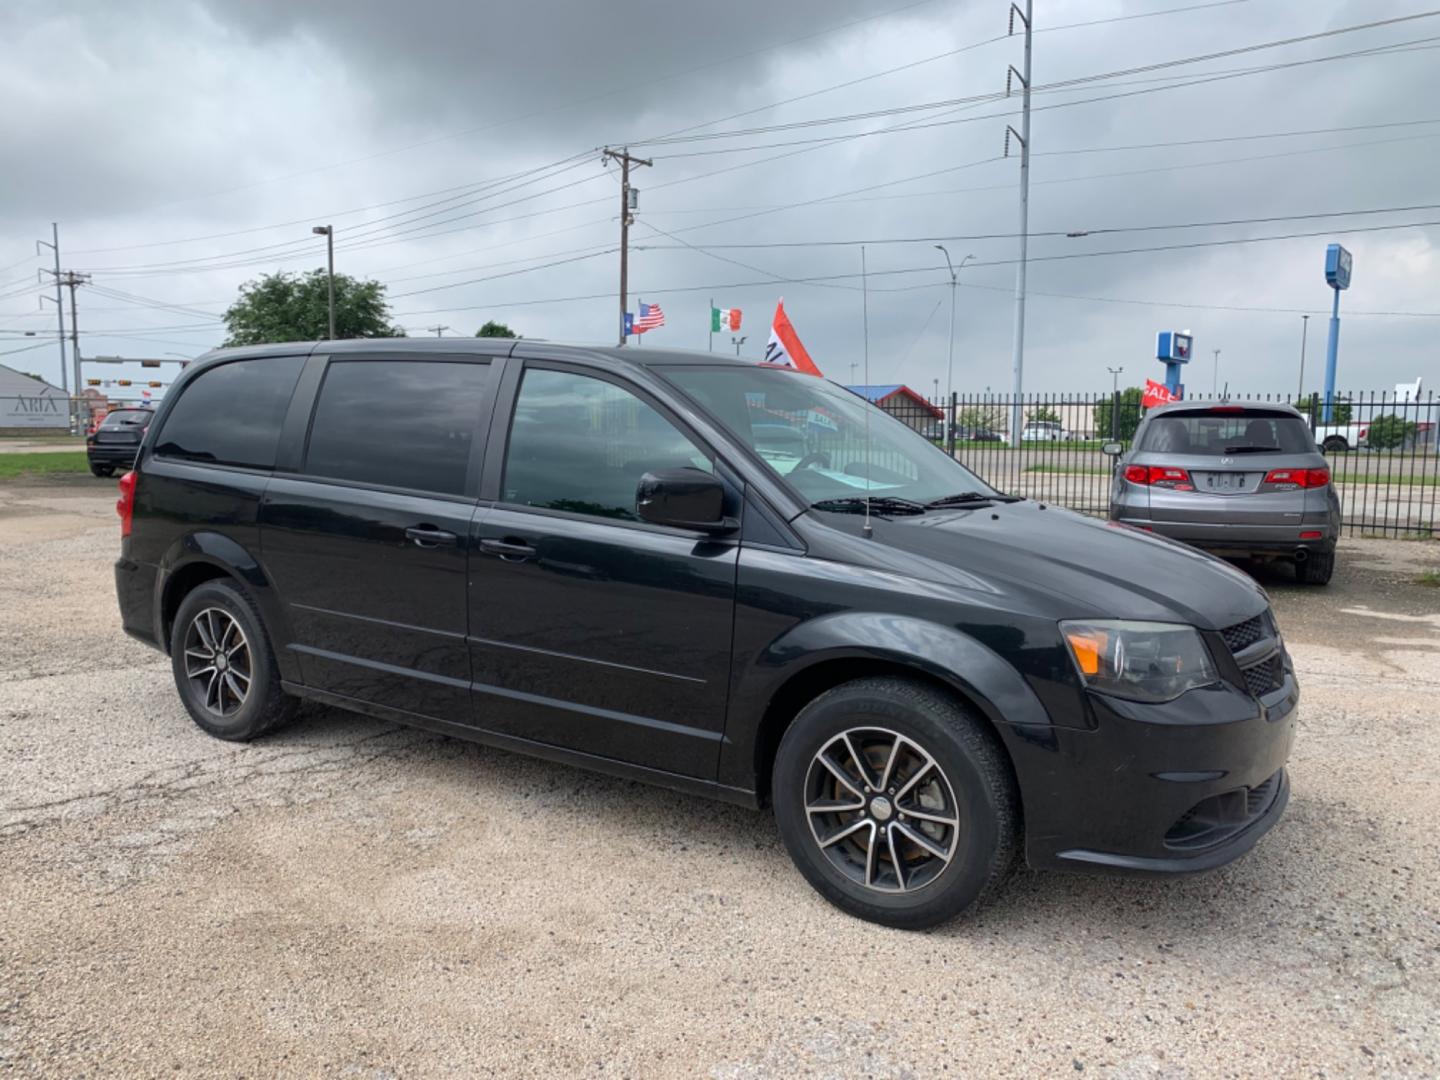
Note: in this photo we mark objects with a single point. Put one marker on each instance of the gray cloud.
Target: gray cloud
(185, 120)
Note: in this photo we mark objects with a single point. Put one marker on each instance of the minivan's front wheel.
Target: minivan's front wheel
(895, 802)
(223, 664)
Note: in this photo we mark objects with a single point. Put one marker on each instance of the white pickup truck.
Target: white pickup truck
(1338, 438)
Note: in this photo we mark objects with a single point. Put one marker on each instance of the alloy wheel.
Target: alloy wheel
(882, 810)
(218, 661)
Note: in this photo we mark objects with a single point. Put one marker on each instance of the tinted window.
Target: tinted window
(232, 414)
(1217, 434)
(403, 424)
(582, 444)
(125, 418)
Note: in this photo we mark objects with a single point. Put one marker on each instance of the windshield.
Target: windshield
(1215, 434)
(812, 433)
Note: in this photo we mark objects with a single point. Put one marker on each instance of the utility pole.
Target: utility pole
(1023, 136)
(950, 362)
(1304, 331)
(54, 246)
(73, 281)
(629, 200)
(328, 231)
(439, 330)
(1215, 374)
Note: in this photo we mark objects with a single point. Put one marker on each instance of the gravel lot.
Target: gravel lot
(354, 899)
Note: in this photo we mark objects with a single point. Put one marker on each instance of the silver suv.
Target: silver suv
(1239, 480)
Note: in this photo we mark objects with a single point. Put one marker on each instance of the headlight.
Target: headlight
(1142, 661)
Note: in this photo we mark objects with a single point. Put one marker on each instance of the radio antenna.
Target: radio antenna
(865, 317)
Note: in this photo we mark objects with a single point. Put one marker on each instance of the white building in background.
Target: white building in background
(31, 404)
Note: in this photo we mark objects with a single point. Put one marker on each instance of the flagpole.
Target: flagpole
(711, 346)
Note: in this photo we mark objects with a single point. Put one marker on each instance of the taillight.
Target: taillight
(125, 505)
(1165, 476)
(1305, 478)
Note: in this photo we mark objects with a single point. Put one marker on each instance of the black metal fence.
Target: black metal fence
(1383, 448)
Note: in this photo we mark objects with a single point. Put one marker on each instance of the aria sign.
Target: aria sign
(34, 411)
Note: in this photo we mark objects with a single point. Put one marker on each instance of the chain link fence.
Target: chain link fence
(1382, 448)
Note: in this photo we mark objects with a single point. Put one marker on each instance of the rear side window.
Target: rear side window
(407, 424)
(231, 414)
(1220, 434)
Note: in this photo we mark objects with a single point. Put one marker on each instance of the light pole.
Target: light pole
(737, 342)
(853, 366)
(1304, 330)
(950, 362)
(1215, 375)
(328, 231)
(1114, 379)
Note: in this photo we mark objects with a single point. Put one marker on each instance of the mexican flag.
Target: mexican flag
(724, 319)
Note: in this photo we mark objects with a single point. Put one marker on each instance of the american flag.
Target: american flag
(650, 317)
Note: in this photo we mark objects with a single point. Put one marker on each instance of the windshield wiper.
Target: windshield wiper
(1252, 449)
(882, 504)
(972, 498)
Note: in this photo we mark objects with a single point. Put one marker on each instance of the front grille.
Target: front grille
(1247, 633)
(1268, 675)
(1264, 676)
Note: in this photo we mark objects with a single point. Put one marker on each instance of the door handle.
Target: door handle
(510, 550)
(428, 536)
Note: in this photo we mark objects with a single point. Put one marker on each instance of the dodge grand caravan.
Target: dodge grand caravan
(734, 580)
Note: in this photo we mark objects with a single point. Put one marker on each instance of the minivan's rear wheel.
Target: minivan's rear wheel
(223, 665)
(895, 802)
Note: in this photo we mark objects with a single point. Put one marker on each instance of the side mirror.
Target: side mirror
(683, 499)
(1113, 449)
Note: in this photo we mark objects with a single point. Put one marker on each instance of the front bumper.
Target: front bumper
(1159, 789)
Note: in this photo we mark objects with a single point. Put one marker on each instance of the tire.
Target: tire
(1335, 444)
(250, 701)
(968, 775)
(1318, 569)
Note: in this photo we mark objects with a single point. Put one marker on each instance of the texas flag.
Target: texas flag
(784, 346)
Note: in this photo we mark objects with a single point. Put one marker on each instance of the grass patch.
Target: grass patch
(43, 463)
(1430, 578)
(1064, 469)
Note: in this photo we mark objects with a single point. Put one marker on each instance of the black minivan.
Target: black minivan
(732, 579)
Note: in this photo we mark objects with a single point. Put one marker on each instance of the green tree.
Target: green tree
(1390, 431)
(1129, 415)
(1043, 414)
(291, 307)
(980, 416)
(496, 329)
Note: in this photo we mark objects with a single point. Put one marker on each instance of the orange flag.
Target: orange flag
(784, 346)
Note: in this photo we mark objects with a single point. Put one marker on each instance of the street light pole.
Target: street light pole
(1304, 330)
(737, 342)
(328, 231)
(1114, 378)
(1215, 374)
(950, 361)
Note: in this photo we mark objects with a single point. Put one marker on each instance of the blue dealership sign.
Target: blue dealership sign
(1337, 267)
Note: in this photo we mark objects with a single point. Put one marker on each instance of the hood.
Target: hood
(1063, 563)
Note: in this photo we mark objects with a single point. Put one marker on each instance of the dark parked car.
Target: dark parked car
(973, 434)
(115, 442)
(579, 554)
(1239, 480)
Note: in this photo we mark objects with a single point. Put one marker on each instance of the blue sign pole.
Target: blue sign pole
(1332, 354)
(1338, 266)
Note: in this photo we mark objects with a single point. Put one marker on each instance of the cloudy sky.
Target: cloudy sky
(186, 147)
